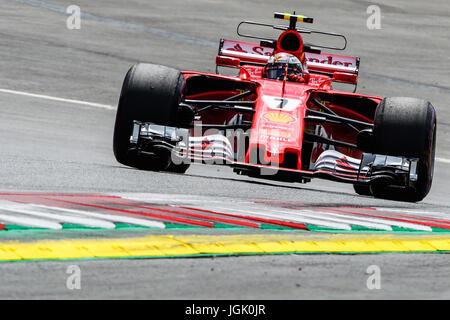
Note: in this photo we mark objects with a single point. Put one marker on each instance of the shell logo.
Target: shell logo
(279, 117)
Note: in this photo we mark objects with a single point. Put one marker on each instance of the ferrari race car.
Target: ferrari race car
(278, 117)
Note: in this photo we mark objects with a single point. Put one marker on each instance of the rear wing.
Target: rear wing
(248, 53)
(254, 54)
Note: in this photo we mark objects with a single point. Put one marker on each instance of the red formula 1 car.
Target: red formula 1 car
(278, 118)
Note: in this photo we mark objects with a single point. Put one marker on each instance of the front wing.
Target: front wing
(216, 149)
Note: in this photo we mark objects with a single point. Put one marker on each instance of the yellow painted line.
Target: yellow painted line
(194, 245)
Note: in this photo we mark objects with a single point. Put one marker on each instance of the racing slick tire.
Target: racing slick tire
(406, 127)
(150, 93)
(362, 190)
(178, 168)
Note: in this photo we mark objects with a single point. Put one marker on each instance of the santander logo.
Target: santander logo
(331, 59)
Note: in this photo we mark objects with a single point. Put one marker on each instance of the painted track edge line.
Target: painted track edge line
(213, 255)
(442, 160)
(46, 97)
(169, 246)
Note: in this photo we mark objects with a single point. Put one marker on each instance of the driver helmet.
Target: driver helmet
(276, 66)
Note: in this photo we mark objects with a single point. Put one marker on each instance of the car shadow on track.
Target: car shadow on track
(352, 202)
(260, 183)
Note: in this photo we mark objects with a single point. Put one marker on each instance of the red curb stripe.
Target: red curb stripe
(415, 217)
(58, 195)
(364, 208)
(157, 216)
(268, 221)
(400, 215)
(391, 218)
(194, 215)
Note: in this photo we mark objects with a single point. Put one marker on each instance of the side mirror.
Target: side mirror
(228, 62)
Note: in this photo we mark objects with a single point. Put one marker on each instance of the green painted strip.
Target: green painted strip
(276, 227)
(395, 229)
(79, 227)
(361, 228)
(311, 227)
(122, 226)
(400, 229)
(440, 230)
(131, 226)
(15, 227)
(181, 226)
(228, 226)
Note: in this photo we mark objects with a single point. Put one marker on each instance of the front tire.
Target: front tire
(362, 190)
(150, 93)
(406, 127)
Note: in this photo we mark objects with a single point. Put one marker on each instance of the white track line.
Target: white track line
(109, 217)
(443, 160)
(343, 219)
(362, 222)
(423, 213)
(333, 217)
(89, 222)
(41, 96)
(29, 222)
(385, 219)
(284, 217)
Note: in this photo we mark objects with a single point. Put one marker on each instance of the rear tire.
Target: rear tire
(406, 127)
(150, 93)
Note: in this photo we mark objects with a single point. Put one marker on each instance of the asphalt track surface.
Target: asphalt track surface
(66, 146)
